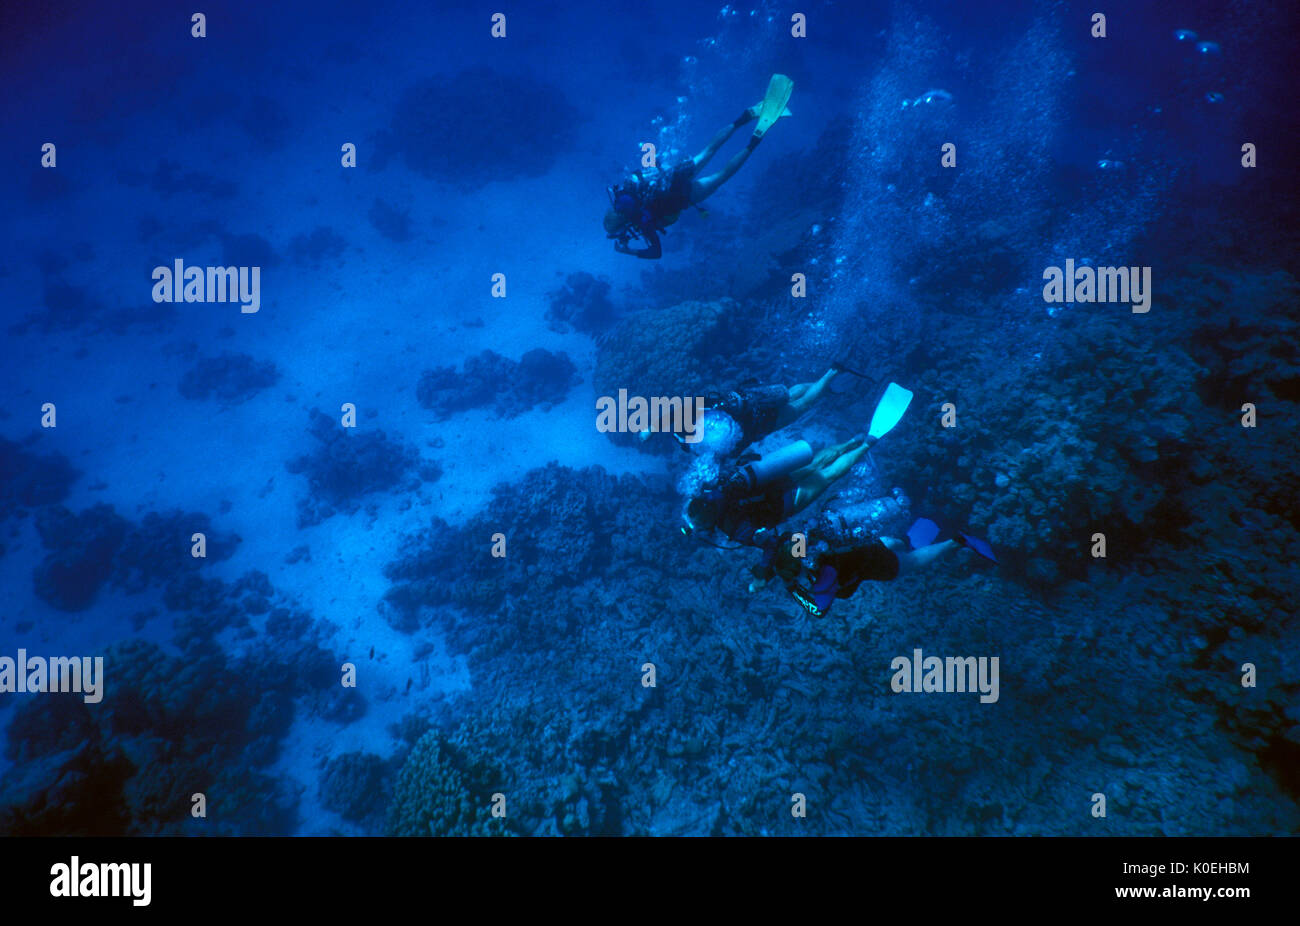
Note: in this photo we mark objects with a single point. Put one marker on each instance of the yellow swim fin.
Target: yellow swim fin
(779, 89)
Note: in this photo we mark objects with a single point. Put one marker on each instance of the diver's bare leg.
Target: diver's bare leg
(816, 478)
(853, 452)
(915, 560)
(804, 395)
(724, 133)
(703, 189)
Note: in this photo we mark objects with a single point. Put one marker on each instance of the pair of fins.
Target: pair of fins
(773, 106)
(925, 532)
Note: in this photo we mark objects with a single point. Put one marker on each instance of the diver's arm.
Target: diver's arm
(653, 249)
(763, 573)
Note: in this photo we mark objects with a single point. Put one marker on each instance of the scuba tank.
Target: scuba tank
(857, 522)
(753, 476)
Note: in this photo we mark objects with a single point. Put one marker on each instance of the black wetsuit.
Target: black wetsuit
(743, 519)
(837, 575)
(755, 409)
(661, 201)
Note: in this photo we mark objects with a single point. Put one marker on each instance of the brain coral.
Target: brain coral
(432, 797)
(669, 351)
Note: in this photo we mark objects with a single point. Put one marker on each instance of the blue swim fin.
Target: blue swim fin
(981, 547)
(922, 533)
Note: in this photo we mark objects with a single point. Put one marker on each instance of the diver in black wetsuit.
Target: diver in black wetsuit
(747, 514)
(644, 205)
(758, 411)
(833, 575)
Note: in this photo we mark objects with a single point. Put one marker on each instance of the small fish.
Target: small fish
(1108, 164)
(1214, 96)
(372, 652)
(1185, 35)
(1208, 48)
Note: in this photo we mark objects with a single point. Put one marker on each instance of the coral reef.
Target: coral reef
(169, 727)
(81, 558)
(557, 644)
(435, 796)
(673, 351)
(355, 786)
(248, 250)
(231, 377)
(562, 526)
(75, 792)
(67, 306)
(508, 387)
(89, 548)
(391, 222)
(349, 464)
(1240, 325)
(581, 304)
(1047, 450)
(30, 480)
(687, 349)
(323, 244)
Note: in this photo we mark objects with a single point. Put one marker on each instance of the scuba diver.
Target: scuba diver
(743, 416)
(830, 575)
(649, 201)
(837, 573)
(757, 497)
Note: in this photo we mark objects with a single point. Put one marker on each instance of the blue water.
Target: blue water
(433, 597)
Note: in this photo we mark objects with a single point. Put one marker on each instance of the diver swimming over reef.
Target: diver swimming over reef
(645, 204)
(758, 496)
(815, 582)
(735, 419)
(764, 493)
(748, 506)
